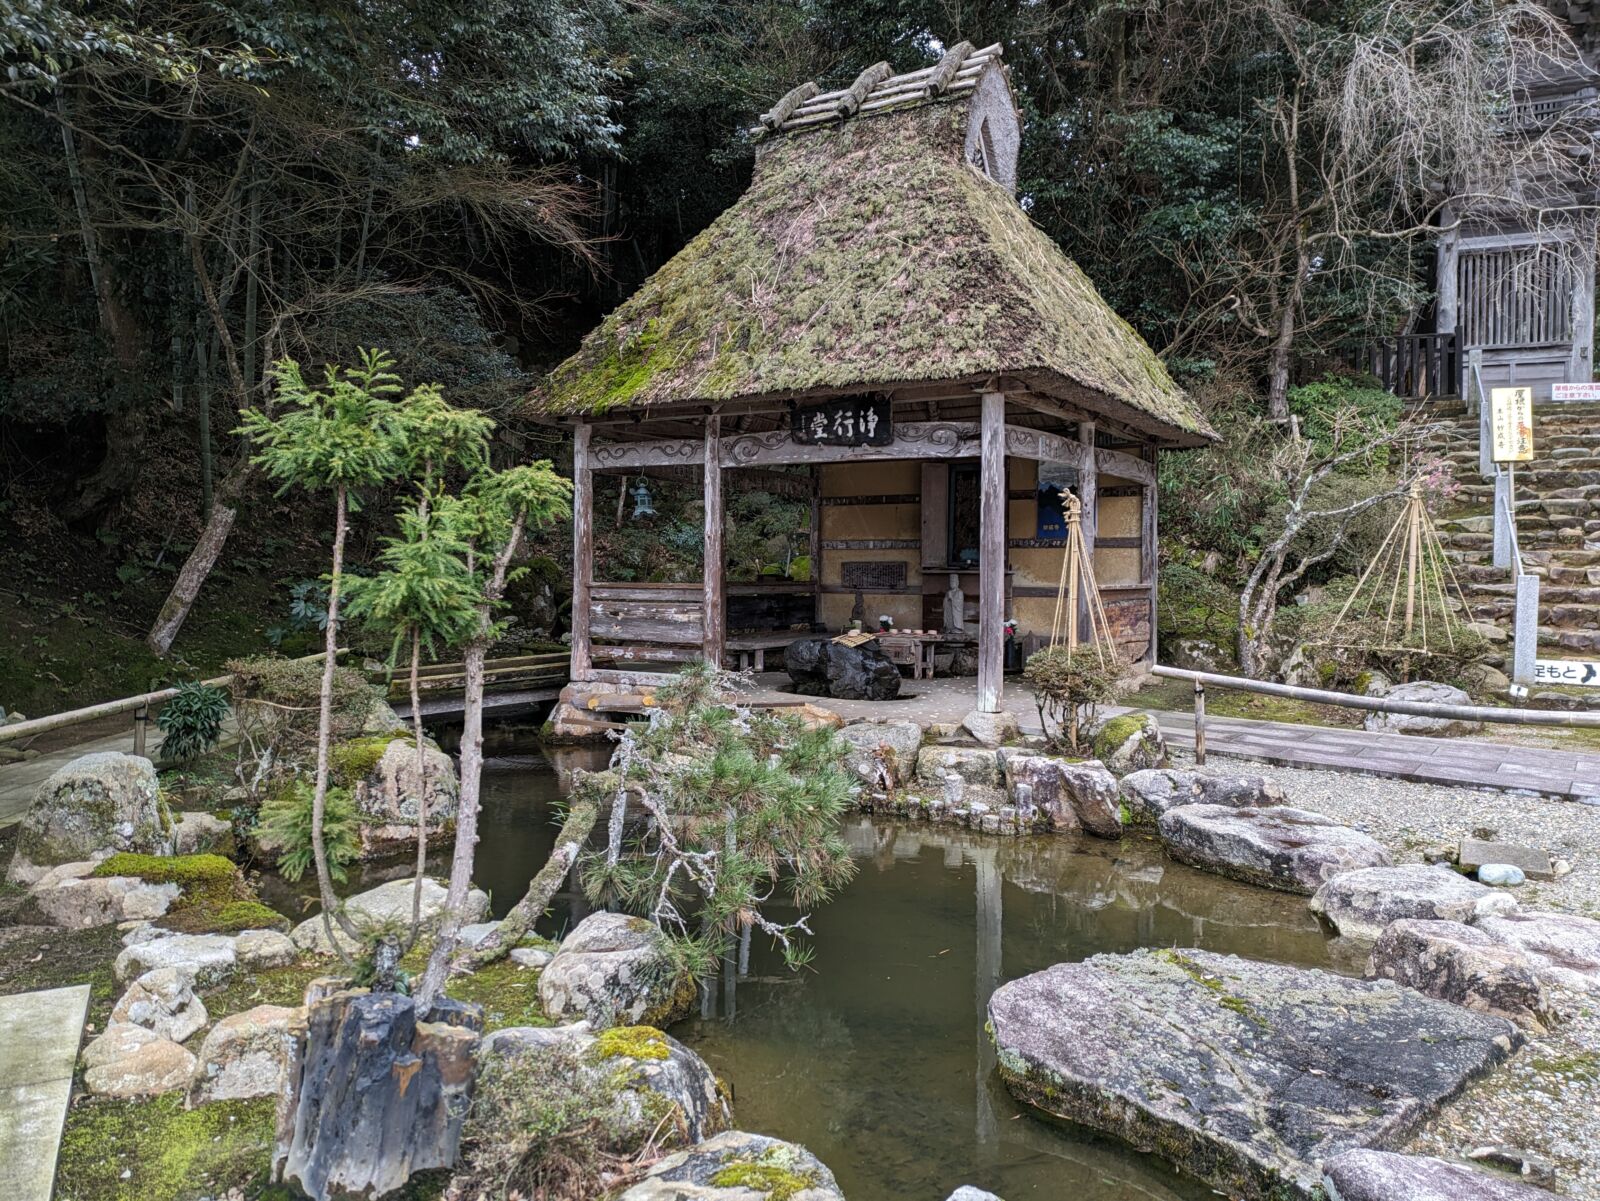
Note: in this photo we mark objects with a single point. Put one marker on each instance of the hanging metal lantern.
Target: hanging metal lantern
(642, 506)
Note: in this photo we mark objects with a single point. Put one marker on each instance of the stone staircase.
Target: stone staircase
(1558, 523)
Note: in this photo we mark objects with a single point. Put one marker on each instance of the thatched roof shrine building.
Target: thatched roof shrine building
(878, 307)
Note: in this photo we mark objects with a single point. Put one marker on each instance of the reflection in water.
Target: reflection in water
(877, 1059)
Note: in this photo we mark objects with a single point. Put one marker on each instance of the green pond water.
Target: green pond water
(876, 1058)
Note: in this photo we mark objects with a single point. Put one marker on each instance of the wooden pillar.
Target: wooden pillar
(814, 548)
(712, 570)
(1089, 495)
(582, 551)
(992, 553)
(1149, 556)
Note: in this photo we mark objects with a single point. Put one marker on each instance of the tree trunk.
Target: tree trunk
(581, 819)
(422, 789)
(319, 797)
(186, 588)
(433, 979)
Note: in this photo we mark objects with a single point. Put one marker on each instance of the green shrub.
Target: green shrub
(285, 821)
(1069, 686)
(191, 722)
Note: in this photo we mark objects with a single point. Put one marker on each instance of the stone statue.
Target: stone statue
(955, 608)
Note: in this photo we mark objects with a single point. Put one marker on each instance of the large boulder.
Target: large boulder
(1562, 947)
(1464, 966)
(823, 667)
(1150, 793)
(202, 834)
(206, 958)
(163, 1002)
(1432, 693)
(117, 1041)
(1367, 1175)
(93, 807)
(1279, 847)
(70, 896)
(647, 1072)
(388, 796)
(882, 754)
(1360, 904)
(975, 766)
(1244, 1074)
(248, 1055)
(149, 1069)
(1064, 794)
(1128, 742)
(385, 904)
(1196, 654)
(735, 1166)
(615, 970)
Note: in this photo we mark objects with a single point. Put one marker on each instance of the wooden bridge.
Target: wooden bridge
(512, 685)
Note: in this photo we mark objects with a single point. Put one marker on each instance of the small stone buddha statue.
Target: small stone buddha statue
(955, 608)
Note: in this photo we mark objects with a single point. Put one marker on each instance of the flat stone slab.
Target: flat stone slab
(1385, 1176)
(1361, 904)
(1278, 846)
(1246, 1075)
(39, 1035)
(1535, 864)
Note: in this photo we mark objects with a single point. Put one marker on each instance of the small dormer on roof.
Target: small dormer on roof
(994, 131)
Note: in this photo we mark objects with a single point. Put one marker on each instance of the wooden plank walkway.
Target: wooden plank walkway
(1460, 762)
(39, 1036)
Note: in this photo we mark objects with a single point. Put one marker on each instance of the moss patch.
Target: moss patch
(32, 958)
(268, 986)
(354, 760)
(772, 1175)
(215, 897)
(508, 992)
(155, 1150)
(631, 1042)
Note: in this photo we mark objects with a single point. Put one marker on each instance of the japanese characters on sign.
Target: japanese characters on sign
(1586, 390)
(1567, 671)
(1056, 480)
(848, 421)
(1511, 424)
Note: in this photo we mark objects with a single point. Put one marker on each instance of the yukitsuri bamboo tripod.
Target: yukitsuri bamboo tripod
(1077, 581)
(1414, 554)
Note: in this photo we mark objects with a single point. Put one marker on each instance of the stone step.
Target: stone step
(1550, 593)
(1556, 617)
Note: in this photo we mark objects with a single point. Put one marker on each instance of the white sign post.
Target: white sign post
(1582, 672)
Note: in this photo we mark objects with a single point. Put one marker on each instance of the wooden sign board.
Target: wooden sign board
(1511, 424)
(871, 575)
(1583, 672)
(1586, 390)
(848, 421)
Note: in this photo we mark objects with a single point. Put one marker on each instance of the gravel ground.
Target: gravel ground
(1546, 1102)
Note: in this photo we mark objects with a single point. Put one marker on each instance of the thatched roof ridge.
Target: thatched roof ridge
(868, 254)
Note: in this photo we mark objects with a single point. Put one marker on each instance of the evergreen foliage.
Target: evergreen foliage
(285, 825)
(743, 806)
(191, 722)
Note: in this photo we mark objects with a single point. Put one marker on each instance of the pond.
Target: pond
(876, 1058)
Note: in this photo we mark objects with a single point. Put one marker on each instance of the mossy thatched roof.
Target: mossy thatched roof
(865, 255)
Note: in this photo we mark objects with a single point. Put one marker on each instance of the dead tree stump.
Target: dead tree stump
(374, 1093)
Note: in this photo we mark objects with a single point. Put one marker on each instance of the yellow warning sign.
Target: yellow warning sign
(1511, 424)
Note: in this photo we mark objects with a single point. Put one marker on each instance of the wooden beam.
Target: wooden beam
(912, 440)
(627, 456)
(814, 542)
(715, 616)
(582, 551)
(1115, 462)
(992, 553)
(1025, 443)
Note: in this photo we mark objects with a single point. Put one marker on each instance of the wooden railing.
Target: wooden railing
(1413, 366)
(1372, 704)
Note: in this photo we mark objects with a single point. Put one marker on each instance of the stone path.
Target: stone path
(39, 1035)
(1464, 762)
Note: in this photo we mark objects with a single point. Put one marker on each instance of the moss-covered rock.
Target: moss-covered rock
(96, 805)
(1129, 742)
(215, 897)
(737, 1165)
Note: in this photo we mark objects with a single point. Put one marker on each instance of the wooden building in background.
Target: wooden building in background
(878, 315)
